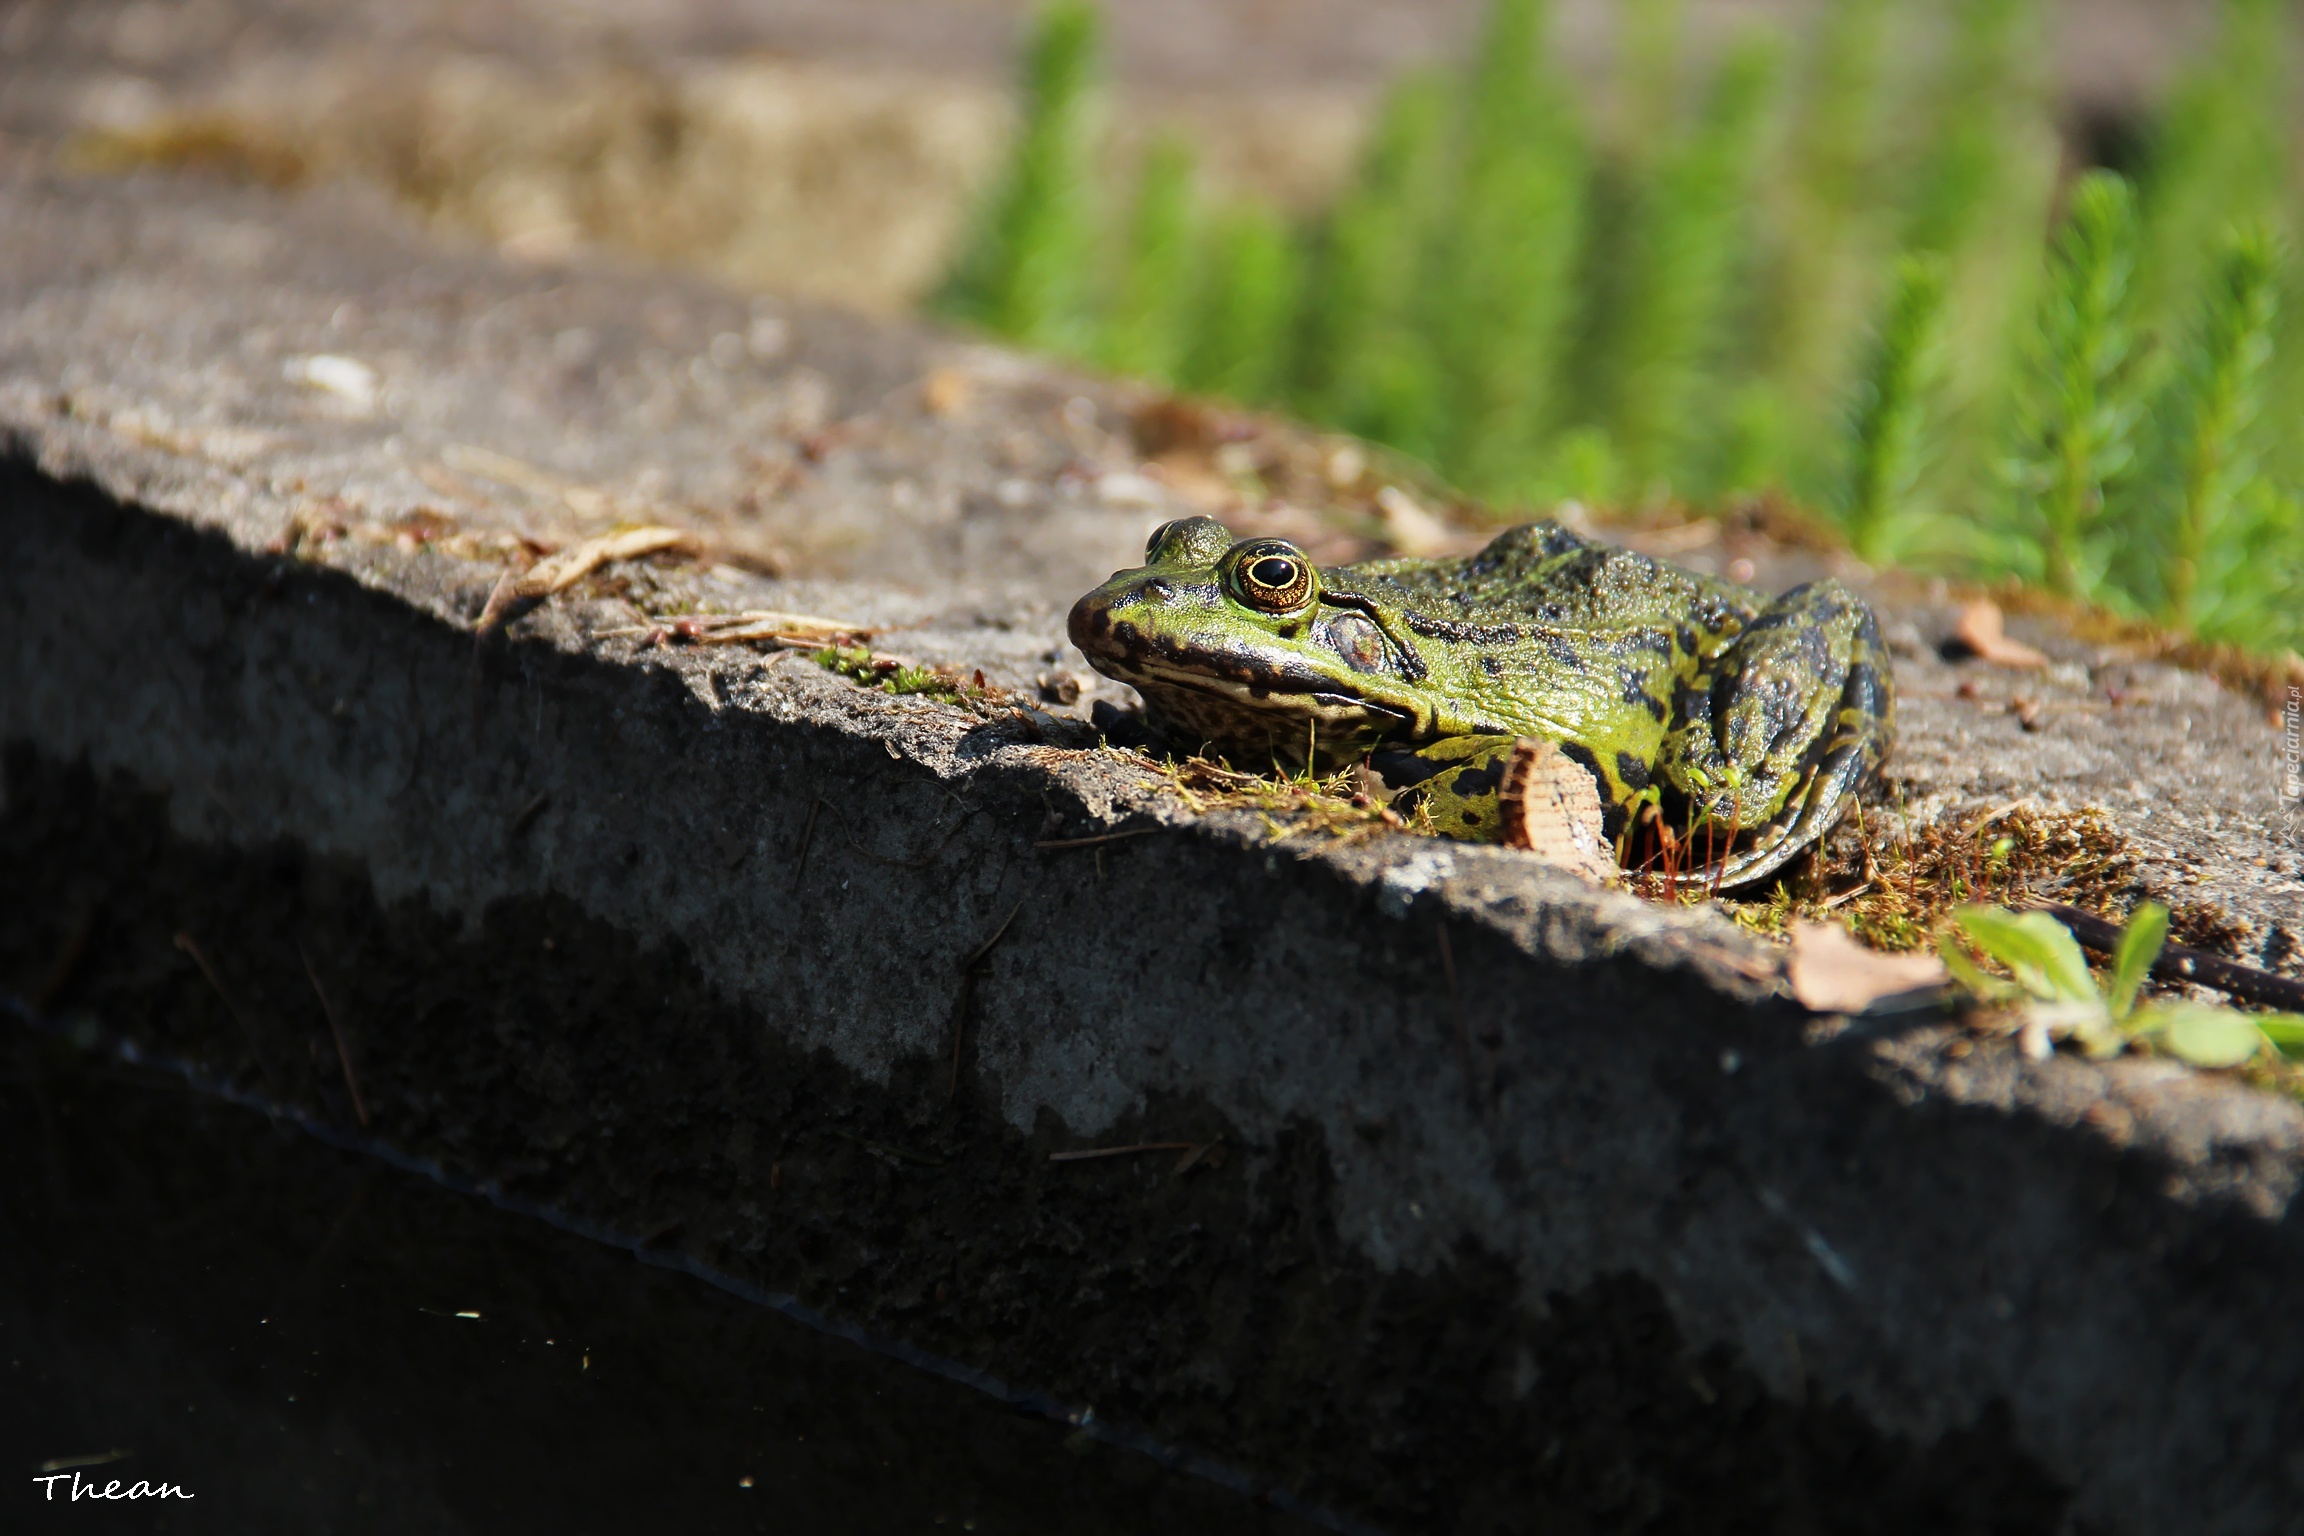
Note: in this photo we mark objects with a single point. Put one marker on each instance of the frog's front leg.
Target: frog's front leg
(1781, 730)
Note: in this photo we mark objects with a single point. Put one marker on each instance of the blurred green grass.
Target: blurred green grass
(1848, 269)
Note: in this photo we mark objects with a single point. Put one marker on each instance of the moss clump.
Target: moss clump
(887, 674)
(1895, 885)
(1339, 805)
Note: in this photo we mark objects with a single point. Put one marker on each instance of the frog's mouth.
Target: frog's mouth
(1227, 694)
(1330, 708)
(1197, 709)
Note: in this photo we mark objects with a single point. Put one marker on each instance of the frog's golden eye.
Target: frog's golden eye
(1271, 576)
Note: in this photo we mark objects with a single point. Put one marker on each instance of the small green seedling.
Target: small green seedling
(2059, 997)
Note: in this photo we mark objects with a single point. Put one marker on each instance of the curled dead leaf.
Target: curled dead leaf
(780, 628)
(1983, 629)
(518, 591)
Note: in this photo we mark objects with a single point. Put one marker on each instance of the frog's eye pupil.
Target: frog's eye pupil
(1273, 571)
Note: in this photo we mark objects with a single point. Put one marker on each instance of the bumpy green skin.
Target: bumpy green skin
(1754, 723)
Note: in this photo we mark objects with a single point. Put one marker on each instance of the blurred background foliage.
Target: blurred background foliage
(1854, 271)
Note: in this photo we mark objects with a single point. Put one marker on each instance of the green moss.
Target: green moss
(859, 665)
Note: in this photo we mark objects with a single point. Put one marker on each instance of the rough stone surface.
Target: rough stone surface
(1537, 1206)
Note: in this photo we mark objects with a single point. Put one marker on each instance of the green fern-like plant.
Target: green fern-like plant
(2219, 152)
(1978, 184)
(1367, 362)
(1500, 274)
(1251, 274)
(1651, 76)
(1963, 170)
(1026, 277)
(1148, 325)
(1888, 427)
(2216, 399)
(1541, 299)
(2251, 570)
(1820, 225)
(2222, 153)
(1689, 249)
(2079, 409)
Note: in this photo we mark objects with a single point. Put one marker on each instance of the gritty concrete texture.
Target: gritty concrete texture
(1517, 1205)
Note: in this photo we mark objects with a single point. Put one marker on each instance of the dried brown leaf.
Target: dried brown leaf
(556, 573)
(1831, 973)
(1983, 629)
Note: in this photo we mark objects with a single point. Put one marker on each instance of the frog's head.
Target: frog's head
(1240, 646)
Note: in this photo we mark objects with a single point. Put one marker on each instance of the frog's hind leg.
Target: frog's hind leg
(1777, 738)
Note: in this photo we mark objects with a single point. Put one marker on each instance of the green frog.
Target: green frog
(1726, 721)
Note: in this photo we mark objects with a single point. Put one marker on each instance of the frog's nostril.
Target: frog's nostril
(1158, 590)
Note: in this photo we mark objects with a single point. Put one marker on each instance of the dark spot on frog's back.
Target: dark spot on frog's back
(1865, 687)
(1632, 772)
(1565, 653)
(1717, 615)
(1492, 664)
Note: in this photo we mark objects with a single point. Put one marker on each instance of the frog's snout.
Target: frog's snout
(1090, 624)
(1099, 623)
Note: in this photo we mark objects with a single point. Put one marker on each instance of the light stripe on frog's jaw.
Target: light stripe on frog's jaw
(1338, 710)
(1299, 729)
(1225, 696)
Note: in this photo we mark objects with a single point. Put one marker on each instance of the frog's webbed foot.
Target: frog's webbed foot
(1776, 740)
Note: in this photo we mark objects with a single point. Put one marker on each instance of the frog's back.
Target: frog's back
(1544, 576)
